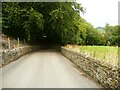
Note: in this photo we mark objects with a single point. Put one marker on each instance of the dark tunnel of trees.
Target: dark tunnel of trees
(53, 23)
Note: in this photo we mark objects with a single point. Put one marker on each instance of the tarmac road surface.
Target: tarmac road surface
(44, 69)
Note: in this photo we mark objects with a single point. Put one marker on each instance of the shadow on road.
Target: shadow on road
(50, 47)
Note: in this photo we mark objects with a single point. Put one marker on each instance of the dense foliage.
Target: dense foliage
(55, 22)
(112, 35)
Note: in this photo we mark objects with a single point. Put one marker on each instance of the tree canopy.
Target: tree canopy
(56, 22)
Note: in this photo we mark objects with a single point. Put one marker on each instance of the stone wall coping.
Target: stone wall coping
(6, 50)
(94, 60)
(9, 55)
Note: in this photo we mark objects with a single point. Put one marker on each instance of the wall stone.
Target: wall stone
(106, 74)
(13, 54)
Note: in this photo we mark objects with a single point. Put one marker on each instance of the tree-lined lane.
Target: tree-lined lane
(44, 69)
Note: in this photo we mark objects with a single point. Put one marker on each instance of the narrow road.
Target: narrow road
(44, 69)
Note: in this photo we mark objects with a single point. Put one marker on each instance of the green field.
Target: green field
(106, 53)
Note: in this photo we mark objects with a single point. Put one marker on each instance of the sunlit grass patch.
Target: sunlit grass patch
(106, 53)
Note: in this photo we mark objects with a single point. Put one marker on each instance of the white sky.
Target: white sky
(100, 12)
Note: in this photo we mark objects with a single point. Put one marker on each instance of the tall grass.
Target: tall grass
(106, 53)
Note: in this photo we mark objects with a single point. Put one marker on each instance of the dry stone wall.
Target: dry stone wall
(13, 54)
(107, 75)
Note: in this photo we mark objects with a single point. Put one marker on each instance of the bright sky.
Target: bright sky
(100, 12)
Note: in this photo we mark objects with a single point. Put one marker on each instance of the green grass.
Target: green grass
(106, 53)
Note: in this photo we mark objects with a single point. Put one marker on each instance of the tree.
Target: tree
(21, 22)
(56, 22)
(112, 34)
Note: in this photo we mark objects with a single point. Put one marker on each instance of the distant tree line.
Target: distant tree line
(56, 22)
